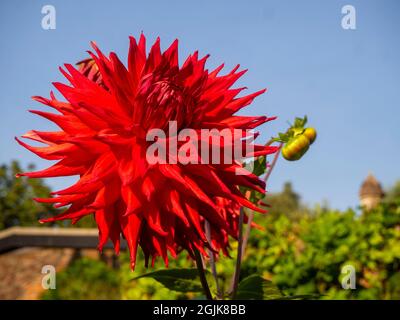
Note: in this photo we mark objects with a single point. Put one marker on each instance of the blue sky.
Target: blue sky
(346, 81)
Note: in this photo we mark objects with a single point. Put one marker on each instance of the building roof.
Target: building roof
(371, 187)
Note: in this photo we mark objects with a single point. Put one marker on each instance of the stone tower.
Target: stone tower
(371, 192)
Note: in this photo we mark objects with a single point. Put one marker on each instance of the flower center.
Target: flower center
(166, 102)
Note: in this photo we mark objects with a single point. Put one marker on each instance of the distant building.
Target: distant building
(371, 192)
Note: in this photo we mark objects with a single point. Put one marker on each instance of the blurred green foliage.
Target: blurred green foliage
(307, 256)
(287, 202)
(393, 194)
(16, 205)
(86, 279)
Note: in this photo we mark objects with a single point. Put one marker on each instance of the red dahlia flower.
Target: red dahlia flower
(109, 109)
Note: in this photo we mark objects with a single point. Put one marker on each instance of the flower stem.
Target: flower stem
(236, 275)
(202, 274)
(251, 214)
(276, 156)
(212, 258)
(247, 232)
(242, 240)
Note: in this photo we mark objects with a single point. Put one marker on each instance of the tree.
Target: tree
(16, 205)
(393, 194)
(287, 202)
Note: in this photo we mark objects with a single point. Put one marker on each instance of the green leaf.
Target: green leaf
(283, 137)
(258, 168)
(181, 280)
(300, 122)
(260, 165)
(257, 288)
